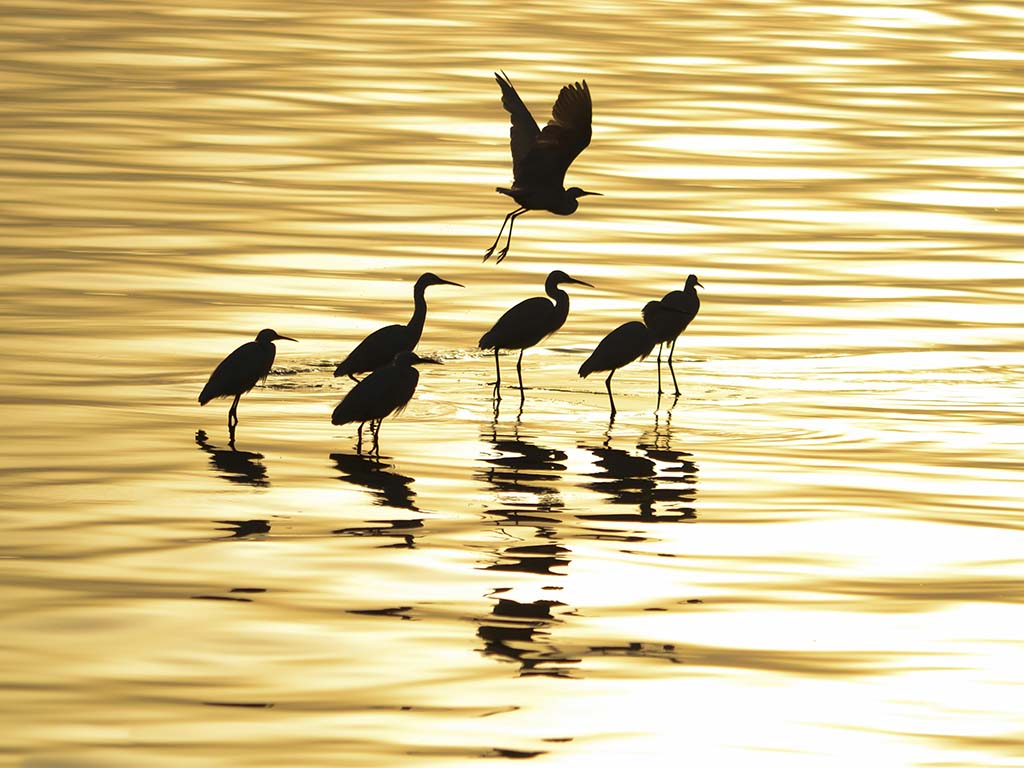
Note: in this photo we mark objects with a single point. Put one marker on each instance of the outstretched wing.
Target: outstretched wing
(524, 130)
(563, 138)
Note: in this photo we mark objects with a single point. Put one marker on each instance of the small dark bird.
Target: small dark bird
(630, 341)
(380, 347)
(385, 391)
(528, 323)
(241, 371)
(540, 158)
(669, 317)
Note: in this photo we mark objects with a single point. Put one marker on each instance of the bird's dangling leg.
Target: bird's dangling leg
(608, 386)
(497, 382)
(504, 251)
(494, 245)
(671, 352)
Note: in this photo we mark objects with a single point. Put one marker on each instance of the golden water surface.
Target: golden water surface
(811, 558)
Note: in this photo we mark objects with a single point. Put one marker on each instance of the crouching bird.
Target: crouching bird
(385, 391)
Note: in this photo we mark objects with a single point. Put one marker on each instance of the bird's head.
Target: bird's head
(558, 276)
(429, 278)
(408, 357)
(691, 281)
(576, 192)
(268, 335)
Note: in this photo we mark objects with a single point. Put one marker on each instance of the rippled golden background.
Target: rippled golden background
(812, 558)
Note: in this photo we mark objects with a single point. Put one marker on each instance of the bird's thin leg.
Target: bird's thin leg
(233, 419)
(497, 383)
(662, 344)
(504, 251)
(376, 438)
(608, 386)
(671, 351)
(494, 245)
(519, 371)
(359, 437)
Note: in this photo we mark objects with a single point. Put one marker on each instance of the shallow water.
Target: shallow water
(810, 558)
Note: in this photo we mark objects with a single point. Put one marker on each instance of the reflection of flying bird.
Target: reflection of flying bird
(380, 347)
(385, 391)
(669, 317)
(630, 341)
(241, 371)
(540, 158)
(528, 323)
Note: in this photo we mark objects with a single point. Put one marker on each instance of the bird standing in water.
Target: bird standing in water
(380, 347)
(528, 323)
(540, 158)
(241, 371)
(385, 391)
(630, 341)
(669, 317)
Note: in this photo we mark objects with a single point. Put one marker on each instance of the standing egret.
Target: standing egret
(527, 323)
(630, 341)
(540, 158)
(241, 371)
(380, 347)
(385, 391)
(669, 317)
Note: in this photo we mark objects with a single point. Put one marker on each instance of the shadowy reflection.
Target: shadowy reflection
(233, 465)
(524, 480)
(388, 489)
(660, 476)
(519, 632)
(386, 529)
(242, 529)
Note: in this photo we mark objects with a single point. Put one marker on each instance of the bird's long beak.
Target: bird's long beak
(285, 338)
(584, 192)
(578, 282)
(698, 282)
(449, 282)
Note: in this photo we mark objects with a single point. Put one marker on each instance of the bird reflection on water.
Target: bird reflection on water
(661, 476)
(233, 465)
(388, 489)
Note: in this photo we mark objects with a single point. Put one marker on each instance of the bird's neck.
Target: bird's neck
(419, 313)
(561, 303)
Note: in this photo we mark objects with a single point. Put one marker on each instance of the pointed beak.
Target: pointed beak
(285, 338)
(449, 282)
(698, 282)
(584, 192)
(580, 282)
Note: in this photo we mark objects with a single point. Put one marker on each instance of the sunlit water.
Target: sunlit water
(811, 558)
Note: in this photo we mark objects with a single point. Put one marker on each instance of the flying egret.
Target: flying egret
(380, 347)
(385, 391)
(669, 317)
(241, 371)
(528, 323)
(540, 158)
(630, 341)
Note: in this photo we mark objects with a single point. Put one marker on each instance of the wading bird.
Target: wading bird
(528, 323)
(385, 391)
(241, 371)
(630, 341)
(669, 317)
(540, 158)
(380, 347)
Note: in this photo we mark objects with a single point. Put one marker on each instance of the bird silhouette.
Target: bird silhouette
(669, 317)
(380, 347)
(630, 341)
(528, 323)
(241, 371)
(385, 391)
(540, 158)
